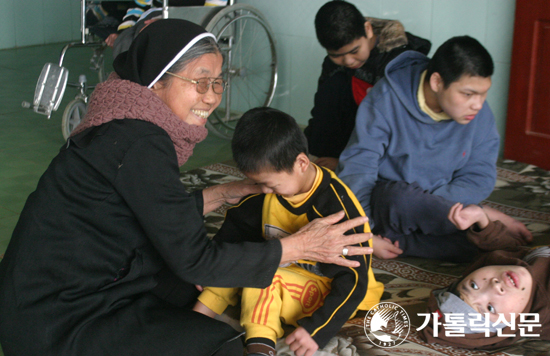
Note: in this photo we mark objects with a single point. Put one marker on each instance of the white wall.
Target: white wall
(300, 55)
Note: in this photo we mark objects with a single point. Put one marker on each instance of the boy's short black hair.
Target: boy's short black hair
(338, 23)
(458, 56)
(267, 139)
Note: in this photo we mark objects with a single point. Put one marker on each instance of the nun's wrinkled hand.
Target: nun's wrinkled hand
(323, 240)
(230, 193)
(235, 191)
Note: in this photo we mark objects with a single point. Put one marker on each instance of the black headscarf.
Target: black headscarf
(156, 49)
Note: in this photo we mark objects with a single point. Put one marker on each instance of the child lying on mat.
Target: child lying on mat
(270, 148)
(503, 296)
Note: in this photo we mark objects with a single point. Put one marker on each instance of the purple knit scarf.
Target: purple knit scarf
(122, 99)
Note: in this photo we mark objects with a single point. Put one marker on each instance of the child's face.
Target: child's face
(352, 55)
(464, 98)
(355, 54)
(282, 183)
(286, 184)
(497, 290)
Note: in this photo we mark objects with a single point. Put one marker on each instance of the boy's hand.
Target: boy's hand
(464, 217)
(110, 41)
(384, 248)
(301, 342)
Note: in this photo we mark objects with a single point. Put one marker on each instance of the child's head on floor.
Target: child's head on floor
(491, 295)
(497, 290)
(503, 292)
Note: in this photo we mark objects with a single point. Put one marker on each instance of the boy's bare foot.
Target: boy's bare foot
(384, 248)
(518, 229)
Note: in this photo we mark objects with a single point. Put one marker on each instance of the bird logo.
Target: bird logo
(387, 324)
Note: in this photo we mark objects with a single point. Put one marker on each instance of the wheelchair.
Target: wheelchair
(250, 65)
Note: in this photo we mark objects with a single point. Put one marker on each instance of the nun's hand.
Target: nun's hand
(235, 191)
(324, 241)
(230, 193)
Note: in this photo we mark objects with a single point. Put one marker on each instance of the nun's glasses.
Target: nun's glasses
(203, 84)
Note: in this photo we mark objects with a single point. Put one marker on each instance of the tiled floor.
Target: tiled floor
(28, 141)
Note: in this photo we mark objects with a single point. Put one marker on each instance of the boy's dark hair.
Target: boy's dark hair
(458, 56)
(338, 23)
(267, 139)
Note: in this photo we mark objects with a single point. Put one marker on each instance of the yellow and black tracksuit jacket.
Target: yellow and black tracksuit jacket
(267, 216)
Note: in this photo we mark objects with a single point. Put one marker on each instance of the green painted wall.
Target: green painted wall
(35, 22)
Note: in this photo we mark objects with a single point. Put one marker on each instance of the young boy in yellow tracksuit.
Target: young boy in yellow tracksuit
(270, 148)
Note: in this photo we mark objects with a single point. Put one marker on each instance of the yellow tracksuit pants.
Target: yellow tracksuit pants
(294, 294)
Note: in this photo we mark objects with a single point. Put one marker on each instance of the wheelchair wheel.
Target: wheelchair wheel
(250, 64)
(72, 116)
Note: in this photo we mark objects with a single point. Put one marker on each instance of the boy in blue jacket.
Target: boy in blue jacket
(424, 140)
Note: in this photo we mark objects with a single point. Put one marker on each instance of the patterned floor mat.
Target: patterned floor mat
(522, 191)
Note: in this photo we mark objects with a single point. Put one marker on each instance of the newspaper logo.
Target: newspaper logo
(387, 325)
(459, 324)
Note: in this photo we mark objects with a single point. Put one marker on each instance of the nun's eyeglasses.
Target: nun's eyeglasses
(203, 84)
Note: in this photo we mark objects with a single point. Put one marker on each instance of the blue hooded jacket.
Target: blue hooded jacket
(395, 140)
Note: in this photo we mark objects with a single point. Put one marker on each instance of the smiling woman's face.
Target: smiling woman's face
(182, 97)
